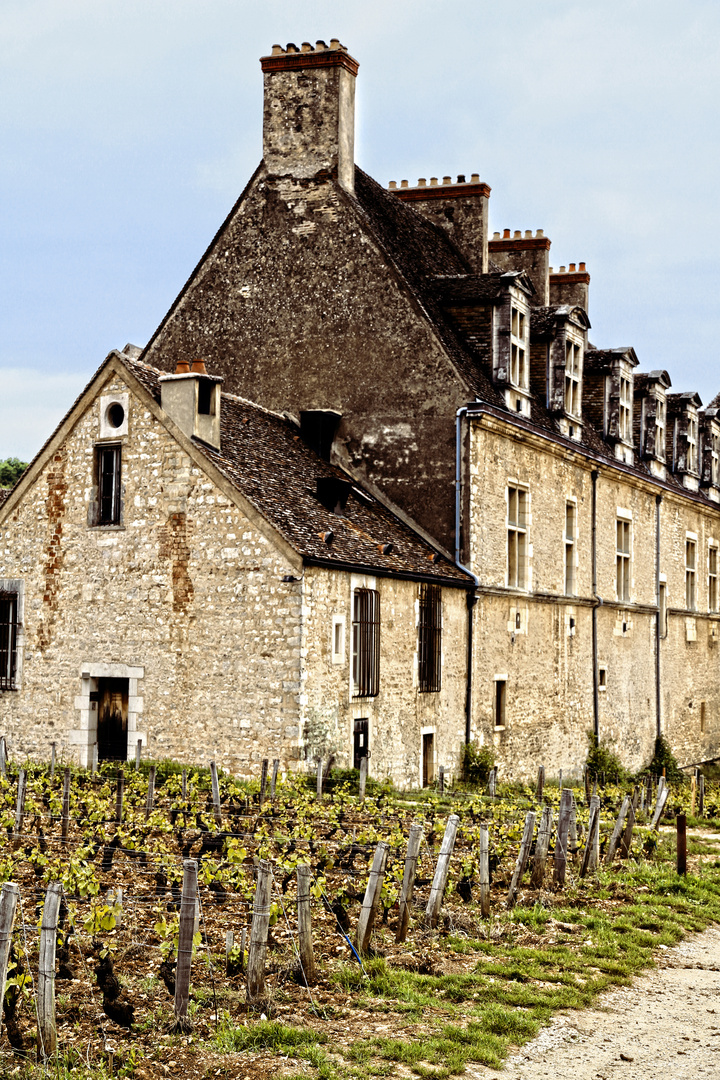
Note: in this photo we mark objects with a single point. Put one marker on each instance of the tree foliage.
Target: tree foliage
(11, 469)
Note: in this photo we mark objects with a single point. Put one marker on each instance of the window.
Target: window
(602, 678)
(660, 416)
(712, 578)
(500, 700)
(338, 639)
(108, 473)
(517, 537)
(8, 640)
(570, 518)
(714, 457)
(206, 397)
(429, 638)
(690, 570)
(625, 416)
(572, 379)
(518, 349)
(366, 642)
(623, 559)
(692, 443)
(662, 609)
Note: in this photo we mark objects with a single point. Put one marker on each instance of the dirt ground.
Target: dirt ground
(666, 1025)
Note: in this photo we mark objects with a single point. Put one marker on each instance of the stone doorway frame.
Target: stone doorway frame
(84, 736)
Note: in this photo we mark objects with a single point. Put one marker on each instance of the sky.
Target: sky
(129, 127)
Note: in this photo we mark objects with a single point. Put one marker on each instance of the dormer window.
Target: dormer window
(573, 360)
(683, 438)
(692, 443)
(660, 420)
(625, 410)
(518, 349)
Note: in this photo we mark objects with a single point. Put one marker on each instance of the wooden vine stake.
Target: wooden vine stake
(3, 757)
(229, 946)
(94, 758)
(53, 747)
(626, 842)
(660, 806)
(540, 783)
(216, 794)
(47, 1035)
(150, 793)
(263, 779)
(305, 945)
(273, 782)
(8, 907)
(701, 795)
(522, 858)
(411, 860)
(363, 776)
(320, 780)
(432, 911)
(183, 785)
(259, 933)
(65, 825)
(617, 831)
(20, 805)
(492, 782)
(561, 843)
(484, 870)
(541, 848)
(681, 824)
(371, 902)
(119, 793)
(138, 754)
(188, 901)
(693, 793)
(441, 779)
(589, 862)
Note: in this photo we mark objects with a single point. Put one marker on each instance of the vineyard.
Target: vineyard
(429, 929)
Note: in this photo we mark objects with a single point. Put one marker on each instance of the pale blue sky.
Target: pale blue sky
(129, 128)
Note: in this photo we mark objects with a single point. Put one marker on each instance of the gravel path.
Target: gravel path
(666, 1026)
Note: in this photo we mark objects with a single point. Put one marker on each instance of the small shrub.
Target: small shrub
(601, 759)
(664, 758)
(477, 761)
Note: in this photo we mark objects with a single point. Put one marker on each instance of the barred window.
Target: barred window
(8, 640)
(366, 642)
(622, 558)
(690, 572)
(692, 444)
(429, 638)
(660, 409)
(108, 474)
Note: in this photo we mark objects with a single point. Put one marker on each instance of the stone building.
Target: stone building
(447, 376)
(180, 566)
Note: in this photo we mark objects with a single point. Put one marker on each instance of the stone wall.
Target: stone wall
(540, 640)
(186, 597)
(400, 713)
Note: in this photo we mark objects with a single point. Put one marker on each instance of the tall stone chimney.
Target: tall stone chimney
(309, 112)
(530, 253)
(461, 208)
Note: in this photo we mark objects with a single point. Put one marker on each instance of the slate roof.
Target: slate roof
(263, 456)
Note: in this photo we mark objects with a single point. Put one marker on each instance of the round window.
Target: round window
(116, 414)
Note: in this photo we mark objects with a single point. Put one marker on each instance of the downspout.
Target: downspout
(658, 628)
(596, 605)
(471, 597)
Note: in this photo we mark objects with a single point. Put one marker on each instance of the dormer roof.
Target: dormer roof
(546, 321)
(602, 360)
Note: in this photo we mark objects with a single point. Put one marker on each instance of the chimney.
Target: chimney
(460, 208)
(529, 252)
(309, 112)
(318, 428)
(191, 398)
(571, 286)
